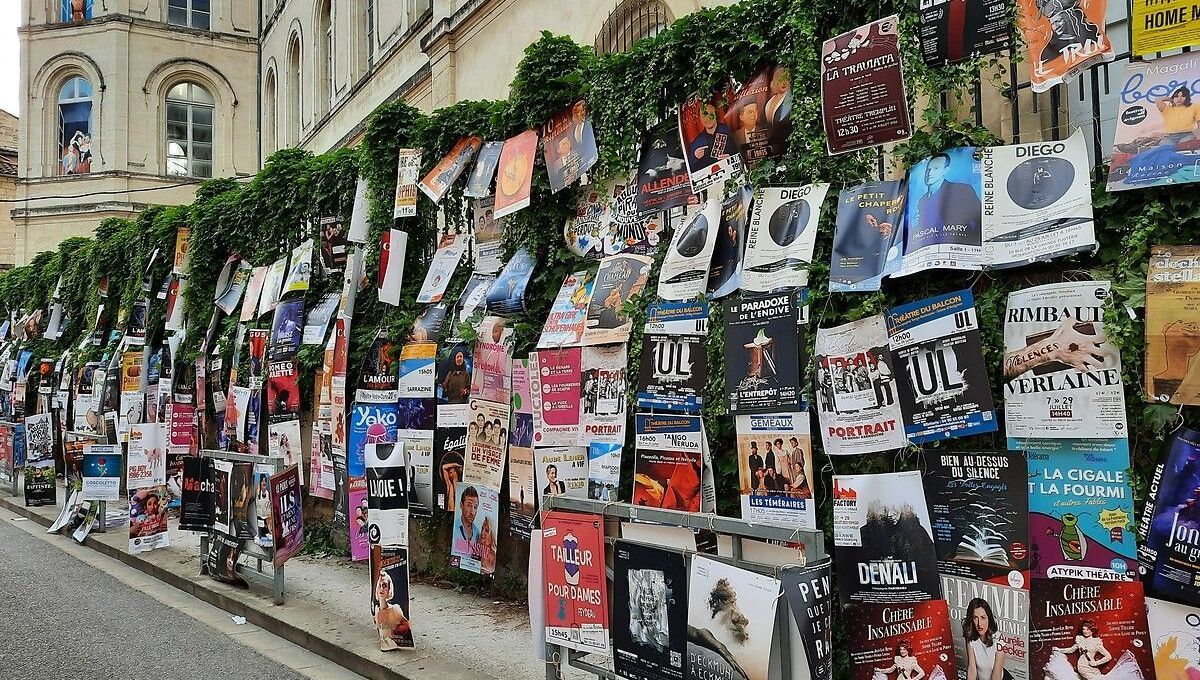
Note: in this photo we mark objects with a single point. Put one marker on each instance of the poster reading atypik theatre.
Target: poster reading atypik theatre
(863, 100)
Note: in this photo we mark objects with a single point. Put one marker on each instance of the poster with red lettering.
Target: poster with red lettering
(574, 581)
(1098, 627)
(556, 389)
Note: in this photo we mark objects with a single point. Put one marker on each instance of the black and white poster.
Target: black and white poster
(649, 624)
(809, 591)
(731, 621)
(781, 238)
(858, 401)
(763, 347)
(685, 268)
(674, 361)
(387, 495)
(868, 240)
(950, 31)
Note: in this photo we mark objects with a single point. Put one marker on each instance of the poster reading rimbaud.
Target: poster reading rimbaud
(1155, 142)
(809, 591)
(950, 31)
(858, 402)
(662, 179)
(1173, 325)
(710, 148)
(1162, 25)
(674, 366)
(732, 614)
(944, 390)
(1099, 628)
(775, 469)
(781, 237)
(575, 582)
(1063, 38)
(869, 237)
(863, 99)
(438, 181)
(514, 175)
(883, 539)
(619, 278)
(907, 641)
(944, 213)
(670, 461)
(569, 145)
(1062, 375)
(1172, 541)
(762, 354)
(760, 113)
(650, 602)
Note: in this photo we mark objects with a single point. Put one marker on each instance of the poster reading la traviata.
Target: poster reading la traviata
(944, 390)
(900, 641)
(1089, 625)
(1062, 374)
(883, 539)
(1063, 38)
(732, 612)
(858, 402)
(1173, 325)
(992, 620)
(950, 31)
(576, 585)
(781, 238)
(674, 366)
(863, 100)
(649, 624)
(1171, 543)
(1155, 141)
(868, 239)
(762, 353)
(775, 469)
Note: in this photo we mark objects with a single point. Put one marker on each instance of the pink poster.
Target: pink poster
(181, 419)
(555, 396)
(360, 547)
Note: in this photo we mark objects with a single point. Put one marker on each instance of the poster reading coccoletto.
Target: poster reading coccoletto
(857, 399)
(1173, 325)
(863, 100)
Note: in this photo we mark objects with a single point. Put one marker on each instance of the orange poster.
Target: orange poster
(515, 174)
(1064, 37)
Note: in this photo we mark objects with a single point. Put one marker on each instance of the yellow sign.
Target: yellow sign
(1161, 25)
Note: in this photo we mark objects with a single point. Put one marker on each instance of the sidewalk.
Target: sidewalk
(458, 636)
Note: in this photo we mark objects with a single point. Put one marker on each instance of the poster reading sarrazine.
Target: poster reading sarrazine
(1173, 325)
(950, 31)
(674, 361)
(762, 353)
(649, 624)
(858, 402)
(1100, 627)
(1155, 142)
(944, 390)
(1062, 374)
(908, 641)
(732, 612)
(863, 100)
(775, 469)
(781, 237)
(576, 587)
(1171, 542)
(869, 237)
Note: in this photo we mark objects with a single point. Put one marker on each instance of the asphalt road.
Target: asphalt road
(64, 618)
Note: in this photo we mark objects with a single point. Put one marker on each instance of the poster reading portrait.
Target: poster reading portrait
(1172, 544)
(951, 31)
(618, 279)
(479, 183)
(1089, 625)
(781, 238)
(514, 175)
(438, 181)
(732, 612)
(763, 342)
(760, 114)
(670, 462)
(711, 151)
(858, 403)
(1063, 38)
(775, 469)
(649, 625)
(863, 100)
(897, 641)
(576, 586)
(603, 384)
(943, 228)
(662, 179)
(868, 240)
(992, 621)
(408, 169)
(569, 145)
(560, 471)
(674, 361)
(1173, 325)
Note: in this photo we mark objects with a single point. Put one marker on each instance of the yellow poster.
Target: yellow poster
(1173, 325)
(1161, 25)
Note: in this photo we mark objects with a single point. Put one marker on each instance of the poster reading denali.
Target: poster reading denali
(649, 612)
(731, 621)
(576, 585)
(762, 354)
(893, 642)
(883, 539)
(858, 402)
(1062, 375)
(944, 390)
(1063, 38)
(1173, 325)
(711, 151)
(1098, 628)
(863, 100)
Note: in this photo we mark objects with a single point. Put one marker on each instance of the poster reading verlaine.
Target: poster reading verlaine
(781, 237)
(1098, 628)
(1062, 375)
(858, 402)
(649, 624)
(710, 148)
(950, 31)
(1062, 38)
(438, 181)
(1156, 142)
(775, 469)
(408, 169)
(1173, 325)
(863, 100)
(763, 342)
(731, 621)
(575, 582)
(869, 237)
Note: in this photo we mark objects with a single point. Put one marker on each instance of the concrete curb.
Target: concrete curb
(426, 666)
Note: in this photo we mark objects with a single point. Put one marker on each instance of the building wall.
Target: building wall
(8, 187)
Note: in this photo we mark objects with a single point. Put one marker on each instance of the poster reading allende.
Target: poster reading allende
(762, 354)
(781, 238)
(438, 181)
(649, 625)
(950, 31)
(569, 144)
(662, 179)
(1062, 374)
(731, 621)
(1063, 38)
(869, 237)
(709, 144)
(1162, 25)
(858, 402)
(1173, 325)
(1156, 142)
(863, 100)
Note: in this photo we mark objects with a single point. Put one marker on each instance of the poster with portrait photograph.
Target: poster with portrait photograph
(781, 238)
(670, 461)
(775, 470)
(514, 175)
(491, 378)
(486, 237)
(863, 99)
(390, 601)
(603, 383)
(991, 620)
(232, 283)
(674, 360)
(507, 294)
(476, 518)
(708, 142)
(287, 329)
(438, 181)
(316, 324)
(1062, 39)
(441, 268)
(1171, 545)
(1100, 627)
(569, 144)
(662, 177)
(565, 324)
(408, 169)
(1156, 143)
(725, 268)
(760, 114)
(575, 582)
(944, 213)
(487, 442)
(649, 618)
(479, 182)
(732, 614)
(283, 390)
(560, 471)
(868, 239)
(858, 405)
(950, 31)
(333, 244)
(299, 270)
(625, 230)
(891, 642)
(763, 347)
(1173, 325)
(618, 279)
(148, 519)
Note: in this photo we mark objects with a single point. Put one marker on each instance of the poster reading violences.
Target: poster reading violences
(863, 99)
(1161, 25)
(1063, 38)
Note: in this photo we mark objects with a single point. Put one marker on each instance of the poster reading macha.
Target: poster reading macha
(576, 592)
(1173, 325)
(1155, 142)
(762, 353)
(863, 100)
(649, 612)
(858, 402)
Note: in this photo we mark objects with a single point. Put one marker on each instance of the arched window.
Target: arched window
(326, 58)
(75, 126)
(270, 142)
(631, 21)
(190, 110)
(189, 13)
(295, 115)
(76, 10)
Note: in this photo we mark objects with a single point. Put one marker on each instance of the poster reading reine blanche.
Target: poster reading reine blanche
(763, 344)
(868, 240)
(781, 237)
(775, 469)
(809, 591)
(979, 506)
(883, 539)
(1098, 628)
(1081, 521)
(576, 587)
(944, 212)
(944, 390)
(1155, 142)
(731, 621)
(950, 31)
(992, 621)
(649, 625)
(619, 278)
(670, 462)
(910, 640)
(863, 100)
(569, 145)
(1173, 541)
(685, 267)
(710, 148)
(1063, 38)
(674, 361)
(662, 179)
(857, 398)
(438, 181)
(514, 176)
(1173, 325)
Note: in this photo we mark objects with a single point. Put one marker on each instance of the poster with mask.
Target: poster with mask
(938, 357)
(868, 240)
(950, 31)
(1101, 627)
(732, 612)
(438, 181)
(685, 268)
(569, 144)
(782, 236)
(775, 469)
(479, 183)
(441, 269)
(619, 278)
(1063, 37)
(602, 395)
(565, 323)
(674, 361)
(1170, 547)
(725, 269)
(912, 640)
(763, 347)
(486, 237)
(760, 114)
(944, 213)
(1173, 325)
(408, 169)
(863, 99)
(662, 178)
(514, 175)
(649, 626)
(709, 144)
(858, 403)
(992, 621)
(506, 296)
(1155, 142)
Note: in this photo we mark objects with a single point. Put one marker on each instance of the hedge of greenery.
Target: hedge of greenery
(628, 93)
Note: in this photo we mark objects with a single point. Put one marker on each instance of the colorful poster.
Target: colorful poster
(1173, 325)
(649, 620)
(287, 518)
(522, 490)
(670, 460)
(1081, 521)
(487, 237)
(283, 390)
(148, 519)
(576, 586)
(863, 100)
(449, 457)
(369, 424)
(146, 461)
(809, 592)
(775, 469)
(1172, 544)
(408, 169)
(418, 454)
(732, 614)
(1174, 632)
(685, 267)
(883, 540)
(944, 390)
(604, 471)
(287, 328)
(506, 296)
(356, 499)
(556, 384)
(1062, 374)
(569, 145)
(560, 471)
(441, 268)
(782, 236)
(674, 360)
(1088, 629)
(491, 378)
(1158, 26)
(760, 114)
(565, 323)
(316, 324)
(1063, 38)
(299, 271)
(454, 375)
(487, 443)
(619, 278)
(868, 239)
(950, 31)
(514, 175)
(662, 178)
(944, 212)
(856, 392)
(910, 640)
(712, 152)
(479, 183)
(473, 300)
(602, 395)
(476, 517)
(446, 172)
(763, 347)
(990, 620)
(198, 500)
(333, 244)
(390, 602)
(38, 484)
(232, 283)
(101, 470)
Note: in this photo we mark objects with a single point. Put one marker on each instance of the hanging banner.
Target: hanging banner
(446, 172)
(359, 215)
(912, 641)
(486, 237)
(869, 237)
(670, 460)
(674, 361)
(662, 178)
(148, 519)
(565, 323)
(619, 278)
(809, 591)
(514, 176)
(1083, 624)
(487, 443)
(479, 184)
(408, 169)
(602, 395)
(561, 471)
(782, 236)
(556, 381)
(732, 614)
(950, 31)
(712, 153)
(476, 516)
(1163, 25)
(1063, 38)
(944, 390)
(863, 99)
(856, 393)
(507, 294)
(1172, 333)
(1172, 544)
(569, 145)
(992, 621)
(649, 624)
(775, 469)
(763, 347)
(575, 582)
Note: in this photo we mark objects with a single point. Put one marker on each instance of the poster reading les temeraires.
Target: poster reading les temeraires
(863, 100)
(575, 581)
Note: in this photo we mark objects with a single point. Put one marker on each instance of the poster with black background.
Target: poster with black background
(763, 345)
(863, 100)
(809, 592)
(869, 237)
(953, 30)
(649, 626)
(1171, 544)
(199, 494)
(662, 177)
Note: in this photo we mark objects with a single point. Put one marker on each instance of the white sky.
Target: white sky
(10, 56)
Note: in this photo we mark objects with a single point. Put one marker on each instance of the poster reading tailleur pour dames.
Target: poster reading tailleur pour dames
(514, 176)
(950, 31)
(438, 181)
(662, 179)
(731, 621)
(649, 625)
(863, 100)
(684, 272)
(708, 143)
(869, 237)
(979, 506)
(1037, 200)
(1063, 38)
(908, 641)
(390, 602)
(1100, 627)
(944, 213)
(781, 238)
(670, 462)
(619, 278)
(1062, 374)
(565, 323)
(809, 591)
(603, 383)
(1173, 541)
(858, 402)
(775, 469)
(1173, 325)
(575, 581)
(1081, 521)
(763, 345)
(1155, 142)
(555, 395)
(674, 362)
(1162, 25)
(944, 390)
(992, 620)
(883, 539)
(560, 471)
(569, 144)
(408, 169)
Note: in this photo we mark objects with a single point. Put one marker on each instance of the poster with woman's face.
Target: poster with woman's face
(1157, 136)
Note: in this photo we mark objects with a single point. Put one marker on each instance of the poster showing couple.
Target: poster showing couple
(1156, 142)
(775, 469)
(856, 393)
